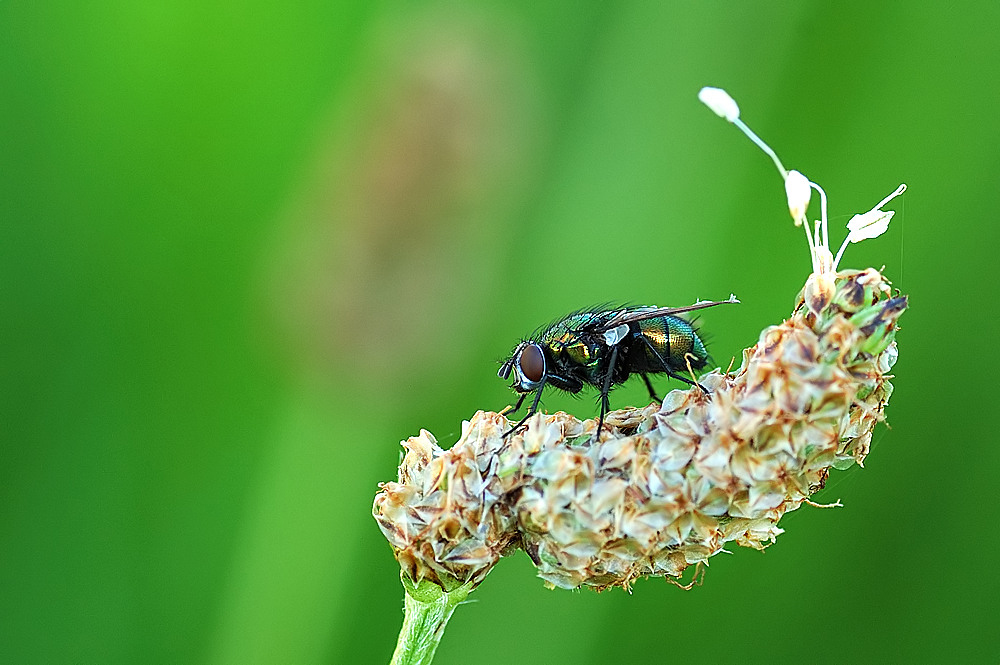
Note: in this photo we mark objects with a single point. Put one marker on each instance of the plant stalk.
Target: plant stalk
(426, 610)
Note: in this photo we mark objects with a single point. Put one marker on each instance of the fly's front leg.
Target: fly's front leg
(531, 411)
(509, 412)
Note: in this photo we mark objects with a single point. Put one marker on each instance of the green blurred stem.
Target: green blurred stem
(427, 608)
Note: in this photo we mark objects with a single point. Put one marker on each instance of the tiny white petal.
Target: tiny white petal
(798, 191)
(871, 224)
(720, 102)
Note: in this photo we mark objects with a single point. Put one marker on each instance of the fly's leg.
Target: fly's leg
(649, 386)
(531, 411)
(605, 389)
(507, 411)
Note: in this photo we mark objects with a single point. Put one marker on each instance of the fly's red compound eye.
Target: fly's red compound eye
(532, 362)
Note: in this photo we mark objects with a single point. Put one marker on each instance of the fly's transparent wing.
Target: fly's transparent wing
(633, 314)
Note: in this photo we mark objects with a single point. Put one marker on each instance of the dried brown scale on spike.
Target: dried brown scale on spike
(666, 487)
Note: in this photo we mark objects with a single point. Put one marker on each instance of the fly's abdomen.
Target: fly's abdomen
(673, 339)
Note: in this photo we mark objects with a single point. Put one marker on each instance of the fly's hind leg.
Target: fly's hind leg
(649, 387)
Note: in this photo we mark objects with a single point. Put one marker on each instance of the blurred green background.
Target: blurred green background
(247, 248)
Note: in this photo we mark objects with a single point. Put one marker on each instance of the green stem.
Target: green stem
(426, 610)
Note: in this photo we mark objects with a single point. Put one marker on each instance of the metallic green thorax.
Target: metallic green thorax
(563, 339)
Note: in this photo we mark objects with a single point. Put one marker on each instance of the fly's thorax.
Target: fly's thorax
(572, 347)
(566, 342)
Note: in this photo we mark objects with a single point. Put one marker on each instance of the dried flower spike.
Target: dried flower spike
(666, 487)
(669, 485)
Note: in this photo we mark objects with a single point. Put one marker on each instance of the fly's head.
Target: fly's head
(528, 366)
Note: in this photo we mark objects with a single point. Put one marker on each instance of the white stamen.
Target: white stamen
(725, 106)
(798, 191)
(825, 240)
(763, 146)
(899, 190)
(720, 102)
(871, 224)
